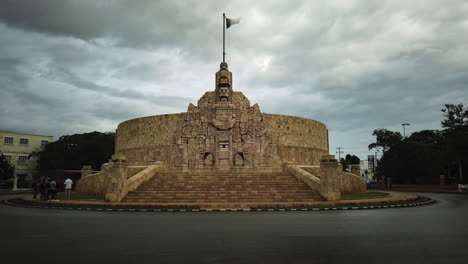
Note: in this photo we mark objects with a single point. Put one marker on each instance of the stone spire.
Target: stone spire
(223, 84)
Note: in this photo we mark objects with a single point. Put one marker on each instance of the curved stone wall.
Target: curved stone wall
(297, 131)
(147, 139)
(299, 140)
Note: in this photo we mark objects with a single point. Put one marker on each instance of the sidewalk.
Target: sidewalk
(428, 190)
(17, 191)
(394, 199)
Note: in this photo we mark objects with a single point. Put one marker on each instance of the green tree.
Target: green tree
(6, 170)
(385, 139)
(73, 151)
(418, 159)
(455, 131)
(349, 160)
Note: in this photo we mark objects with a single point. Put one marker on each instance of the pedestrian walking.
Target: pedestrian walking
(37, 187)
(45, 188)
(68, 187)
(52, 189)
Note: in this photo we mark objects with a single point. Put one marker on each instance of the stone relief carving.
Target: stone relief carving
(239, 160)
(223, 131)
(209, 160)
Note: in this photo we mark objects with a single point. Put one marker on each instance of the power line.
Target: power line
(339, 152)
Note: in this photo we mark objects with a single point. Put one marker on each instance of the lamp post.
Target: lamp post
(404, 132)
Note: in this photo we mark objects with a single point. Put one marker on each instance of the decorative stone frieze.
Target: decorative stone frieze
(222, 132)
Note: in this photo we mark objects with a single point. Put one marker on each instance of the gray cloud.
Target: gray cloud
(75, 66)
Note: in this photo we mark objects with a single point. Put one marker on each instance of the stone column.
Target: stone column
(330, 178)
(15, 182)
(117, 178)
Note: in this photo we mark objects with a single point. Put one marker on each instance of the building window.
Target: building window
(24, 141)
(43, 143)
(22, 160)
(8, 140)
(7, 158)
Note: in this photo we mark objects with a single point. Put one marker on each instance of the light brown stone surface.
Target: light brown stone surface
(330, 178)
(351, 183)
(94, 184)
(394, 197)
(222, 132)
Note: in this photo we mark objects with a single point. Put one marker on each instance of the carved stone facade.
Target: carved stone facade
(222, 132)
(223, 135)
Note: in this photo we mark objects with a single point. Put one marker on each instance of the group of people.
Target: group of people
(47, 188)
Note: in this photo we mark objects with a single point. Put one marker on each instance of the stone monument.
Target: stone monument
(222, 132)
(222, 135)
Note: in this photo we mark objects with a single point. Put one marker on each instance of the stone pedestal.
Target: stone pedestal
(117, 172)
(330, 178)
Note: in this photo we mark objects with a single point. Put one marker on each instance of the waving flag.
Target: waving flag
(232, 21)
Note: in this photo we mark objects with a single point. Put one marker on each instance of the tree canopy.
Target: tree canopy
(385, 139)
(425, 155)
(6, 170)
(71, 152)
(349, 160)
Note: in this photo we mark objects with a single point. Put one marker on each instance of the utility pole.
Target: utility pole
(404, 132)
(339, 152)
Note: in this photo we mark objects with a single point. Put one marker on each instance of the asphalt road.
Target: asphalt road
(429, 234)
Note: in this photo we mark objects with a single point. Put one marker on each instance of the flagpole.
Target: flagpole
(224, 28)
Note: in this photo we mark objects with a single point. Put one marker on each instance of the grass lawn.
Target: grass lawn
(363, 195)
(77, 196)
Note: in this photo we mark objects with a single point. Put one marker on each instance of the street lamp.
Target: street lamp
(404, 124)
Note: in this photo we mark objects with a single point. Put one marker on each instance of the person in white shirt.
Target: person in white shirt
(68, 186)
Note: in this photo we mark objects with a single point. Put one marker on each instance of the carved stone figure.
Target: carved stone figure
(223, 130)
(239, 160)
(209, 160)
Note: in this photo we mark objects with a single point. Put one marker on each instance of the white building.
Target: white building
(17, 148)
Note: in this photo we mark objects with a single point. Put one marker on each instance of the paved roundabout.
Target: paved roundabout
(390, 200)
(437, 233)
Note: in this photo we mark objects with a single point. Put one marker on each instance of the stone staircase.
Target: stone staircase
(223, 188)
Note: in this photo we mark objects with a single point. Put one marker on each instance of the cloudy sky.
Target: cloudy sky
(78, 66)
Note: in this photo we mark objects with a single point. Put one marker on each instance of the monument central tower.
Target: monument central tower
(223, 131)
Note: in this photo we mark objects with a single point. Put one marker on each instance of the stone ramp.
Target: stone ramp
(219, 188)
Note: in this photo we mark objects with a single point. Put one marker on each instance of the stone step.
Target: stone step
(227, 180)
(252, 192)
(225, 173)
(222, 188)
(227, 186)
(176, 199)
(225, 176)
(222, 195)
(162, 195)
(216, 201)
(149, 191)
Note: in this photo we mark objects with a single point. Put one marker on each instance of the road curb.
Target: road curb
(14, 202)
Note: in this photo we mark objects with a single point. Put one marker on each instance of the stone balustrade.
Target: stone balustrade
(312, 181)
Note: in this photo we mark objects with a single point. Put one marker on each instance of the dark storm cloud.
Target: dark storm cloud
(74, 66)
(143, 24)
